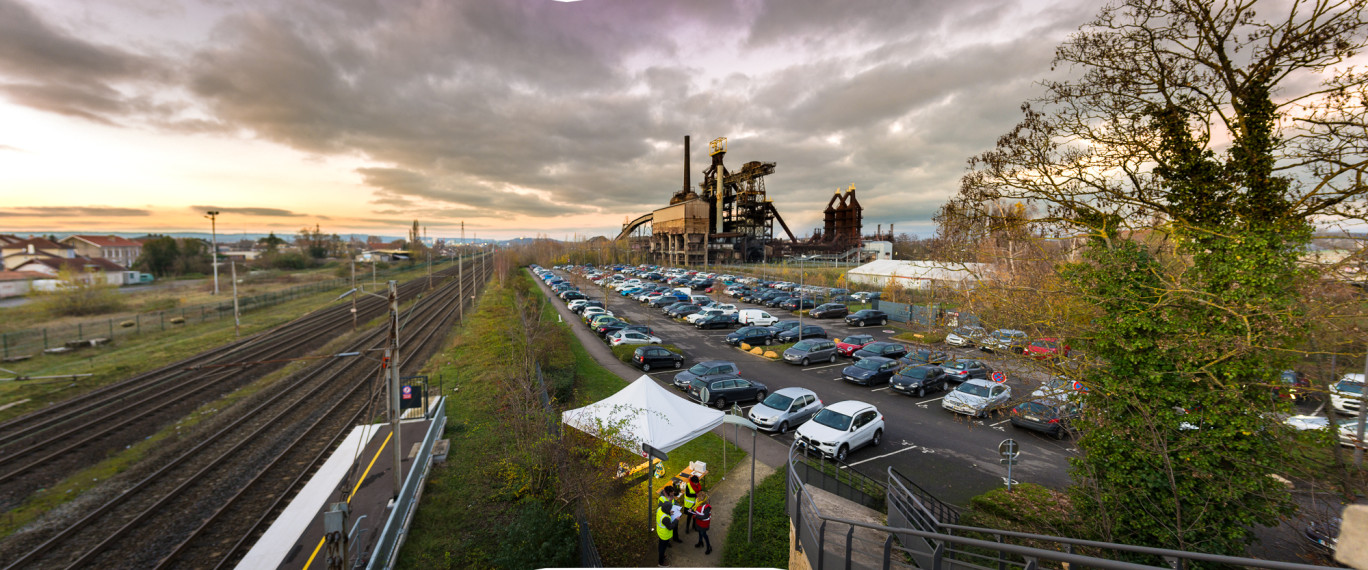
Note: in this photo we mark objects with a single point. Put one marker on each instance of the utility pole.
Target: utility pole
(460, 284)
(353, 286)
(1362, 415)
(392, 359)
(213, 233)
(237, 321)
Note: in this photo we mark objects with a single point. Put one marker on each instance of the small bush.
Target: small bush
(769, 547)
(78, 295)
(538, 538)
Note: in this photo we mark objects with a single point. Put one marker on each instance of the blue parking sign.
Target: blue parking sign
(999, 377)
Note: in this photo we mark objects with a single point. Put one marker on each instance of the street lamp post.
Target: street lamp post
(213, 233)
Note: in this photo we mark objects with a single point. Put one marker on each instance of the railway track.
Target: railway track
(45, 446)
(204, 505)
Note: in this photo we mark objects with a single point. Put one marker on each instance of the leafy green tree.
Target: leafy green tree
(1191, 156)
(271, 242)
(158, 256)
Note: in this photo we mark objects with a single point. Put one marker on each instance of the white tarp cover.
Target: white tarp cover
(644, 412)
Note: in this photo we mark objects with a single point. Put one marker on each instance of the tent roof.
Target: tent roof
(644, 412)
(941, 271)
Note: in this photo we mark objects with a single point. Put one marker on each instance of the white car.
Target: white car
(632, 337)
(977, 397)
(589, 312)
(577, 303)
(1347, 429)
(705, 313)
(1346, 396)
(841, 428)
(965, 336)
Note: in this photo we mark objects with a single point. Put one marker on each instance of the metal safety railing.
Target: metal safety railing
(391, 540)
(916, 536)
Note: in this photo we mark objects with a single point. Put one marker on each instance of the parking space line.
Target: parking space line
(811, 368)
(931, 400)
(909, 448)
(879, 389)
(1002, 422)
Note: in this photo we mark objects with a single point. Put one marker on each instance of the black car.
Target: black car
(793, 335)
(871, 371)
(893, 350)
(667, 309)
(648, 357)
(781, 326)
(918, 380)
(829, 311)
(1049, 416)
(797, 303)
(614, 322)
(665, 301)
(722, 392)
(919, 356)
(867, 317)
(847, 299)
(725, 320)
(581, 308)
(961, 370)
(751, 335)
(777, 300)
(573, 295)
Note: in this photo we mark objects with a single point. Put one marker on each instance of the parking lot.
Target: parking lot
(951, 455)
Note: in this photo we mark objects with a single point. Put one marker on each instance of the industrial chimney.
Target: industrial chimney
(686, 163)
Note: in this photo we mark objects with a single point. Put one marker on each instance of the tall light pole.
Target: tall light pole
(213, 233)
(392, 357)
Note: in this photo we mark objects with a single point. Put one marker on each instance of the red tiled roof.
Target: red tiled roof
(22, 275)
(77, 264)
(38, 243)
(108, 241)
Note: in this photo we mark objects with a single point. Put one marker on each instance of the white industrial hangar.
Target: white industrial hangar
(915, 274)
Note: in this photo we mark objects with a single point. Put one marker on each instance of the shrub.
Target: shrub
(769, 547)
(80, 294)
(538, 538)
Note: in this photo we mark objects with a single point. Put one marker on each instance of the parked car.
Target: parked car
(751, 335)
(1048, 347)
(632, 337)
(977, 398)
(799, 333)
(965, 336)
(1048, 416)
(1005, 340)
(648, 357)
(685, 311)
(601, 318)
(866, 296)
(726, 390)
(1345, 395)
(1058, 388)
(755, 317)
(961, 370)
(1293, 386)
(700, 315)
(575, 304)
(851, 343)
(776, 301)
(606, 327)
(783, 326)
(586, 305)
(871, 371)
(890, 350)
(918, 356)
(841, 428)
(829, 311)
(811, 350)
(705, 369)
(1346, 430)
(720, 320)
(918, 380)
(798, 304)
(867, 317)
(605, 330)
(784, 409)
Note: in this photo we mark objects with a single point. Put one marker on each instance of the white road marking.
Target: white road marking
(811, 368)
(1003, 422)
(931, 400)
(879, 389)
(883, 456)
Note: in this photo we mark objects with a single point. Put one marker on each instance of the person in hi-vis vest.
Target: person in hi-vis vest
(665, 526)
(691, 489)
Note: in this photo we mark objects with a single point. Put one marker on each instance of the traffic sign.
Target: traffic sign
(1008, 449)
(999, 376)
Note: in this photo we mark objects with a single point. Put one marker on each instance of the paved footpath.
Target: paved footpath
(725, 490)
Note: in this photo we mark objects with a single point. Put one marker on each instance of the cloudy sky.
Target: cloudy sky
(519, 117)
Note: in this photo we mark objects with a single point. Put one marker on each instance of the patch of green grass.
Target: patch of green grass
(932, 337)
(769, 544)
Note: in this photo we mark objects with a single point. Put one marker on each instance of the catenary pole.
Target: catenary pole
(394, 386)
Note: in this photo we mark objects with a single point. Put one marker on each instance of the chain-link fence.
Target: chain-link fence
(925, 315)
(57, 339)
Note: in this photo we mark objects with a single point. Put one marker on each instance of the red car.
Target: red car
(1047, 348)
(848, 345)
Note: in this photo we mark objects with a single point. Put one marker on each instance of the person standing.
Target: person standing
(668, 496)
(691, 489)
(702, 518)
(665, 525)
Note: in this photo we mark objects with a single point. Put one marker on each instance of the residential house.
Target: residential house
(18, 283)
(122, 251)
(17, 251)
(86, 267)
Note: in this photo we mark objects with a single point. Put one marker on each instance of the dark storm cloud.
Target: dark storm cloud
(72, 212)
(461, 108)
(271, 212)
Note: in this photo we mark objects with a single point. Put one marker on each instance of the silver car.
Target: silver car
(785, 409)
(811, 350)
(977, 398)
(965, 336)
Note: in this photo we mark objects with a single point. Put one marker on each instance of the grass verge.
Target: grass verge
(769, 543)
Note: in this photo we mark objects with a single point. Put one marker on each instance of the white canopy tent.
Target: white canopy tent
(644, 412)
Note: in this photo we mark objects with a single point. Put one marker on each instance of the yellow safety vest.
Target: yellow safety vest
(662, 524)
(690, 496)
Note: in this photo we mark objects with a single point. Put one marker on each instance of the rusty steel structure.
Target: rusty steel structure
(729, 218)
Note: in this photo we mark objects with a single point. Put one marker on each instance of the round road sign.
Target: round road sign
(999, 376)
(1008, 448)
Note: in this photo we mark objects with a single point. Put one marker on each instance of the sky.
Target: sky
(519, 118)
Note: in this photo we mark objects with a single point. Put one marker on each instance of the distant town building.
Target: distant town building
(122, 251)
(18, 283)
(17, 251)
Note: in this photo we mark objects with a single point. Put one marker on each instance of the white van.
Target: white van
(755, 317)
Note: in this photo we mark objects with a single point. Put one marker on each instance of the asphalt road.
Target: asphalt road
(952, 456)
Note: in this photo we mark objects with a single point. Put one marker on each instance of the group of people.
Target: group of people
(690, 503)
